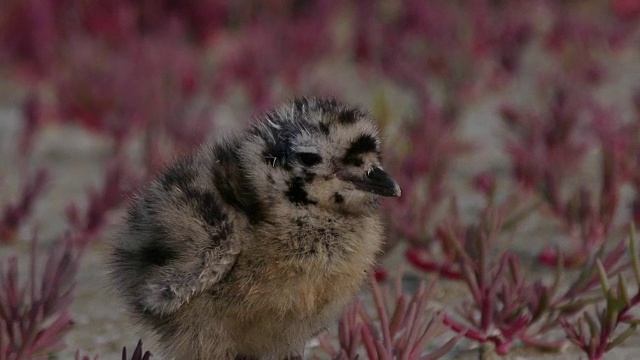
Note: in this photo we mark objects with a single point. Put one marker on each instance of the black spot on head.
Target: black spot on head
(353, 160)
(296, 192)
(277, 152)
(327, 104)
(347, 117)
(233, 185)
(339, 199)
(324, 128)
(362, 145)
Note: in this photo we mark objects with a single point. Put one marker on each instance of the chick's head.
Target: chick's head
(320, 153)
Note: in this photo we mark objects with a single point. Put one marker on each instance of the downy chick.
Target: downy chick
(253, 245)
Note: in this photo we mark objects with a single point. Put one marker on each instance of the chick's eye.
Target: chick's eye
(309, 159)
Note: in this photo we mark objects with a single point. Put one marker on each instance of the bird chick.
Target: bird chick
(253, 245)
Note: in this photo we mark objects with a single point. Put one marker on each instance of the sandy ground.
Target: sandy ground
(76, 157)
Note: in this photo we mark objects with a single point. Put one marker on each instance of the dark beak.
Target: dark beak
(377, 182)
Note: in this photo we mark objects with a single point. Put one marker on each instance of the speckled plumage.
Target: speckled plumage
(254, 244)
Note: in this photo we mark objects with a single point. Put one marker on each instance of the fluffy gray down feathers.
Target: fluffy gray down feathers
(254, 244)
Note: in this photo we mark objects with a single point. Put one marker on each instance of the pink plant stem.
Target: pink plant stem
(460, 329)
(444, 270)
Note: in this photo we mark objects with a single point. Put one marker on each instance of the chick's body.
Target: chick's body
(255, 244)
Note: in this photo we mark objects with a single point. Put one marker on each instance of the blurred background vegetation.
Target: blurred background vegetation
(495, 112)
